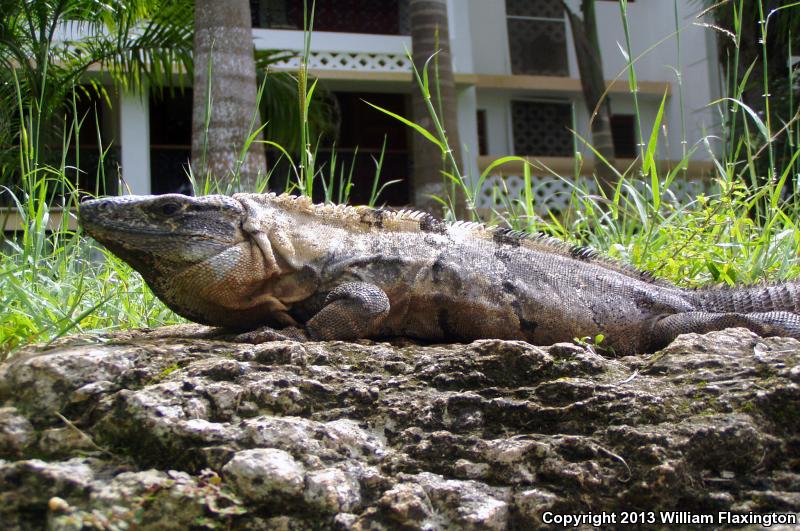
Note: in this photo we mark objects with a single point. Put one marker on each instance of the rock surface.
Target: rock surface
(168, 429)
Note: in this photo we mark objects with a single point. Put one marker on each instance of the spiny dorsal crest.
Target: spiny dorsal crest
(364, 218)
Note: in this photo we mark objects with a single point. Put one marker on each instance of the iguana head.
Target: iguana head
(192, 251)
(163, 232)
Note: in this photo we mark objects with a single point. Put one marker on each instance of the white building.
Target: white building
(517, 81)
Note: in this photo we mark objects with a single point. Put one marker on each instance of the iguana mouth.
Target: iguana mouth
(98, 219)
(110, 218)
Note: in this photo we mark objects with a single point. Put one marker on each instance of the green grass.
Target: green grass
(58, 282)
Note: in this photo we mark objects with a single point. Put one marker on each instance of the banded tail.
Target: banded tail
(766, 310)
(784, 297)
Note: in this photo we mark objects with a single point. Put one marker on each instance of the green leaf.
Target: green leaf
(624, 53)
(649, 161)
(754, 116)
(599, 339)
(528, 191)
(418, 128)
(649, 164)
(713, 269)
(597, 154)
(500, 162)
(776, 193)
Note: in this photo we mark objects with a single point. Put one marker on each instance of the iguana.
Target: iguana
(338, 272)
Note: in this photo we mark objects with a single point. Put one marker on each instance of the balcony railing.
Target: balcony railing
(340, 51)
(374, 62)
(553, 181)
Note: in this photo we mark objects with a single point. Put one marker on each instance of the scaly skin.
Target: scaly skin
(338, 272)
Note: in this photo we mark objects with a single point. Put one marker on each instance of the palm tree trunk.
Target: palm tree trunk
(223, 40)
(429, 35)
(590, 66)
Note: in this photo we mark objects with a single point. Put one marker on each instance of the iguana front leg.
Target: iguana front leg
(352, 310)
(762, 323)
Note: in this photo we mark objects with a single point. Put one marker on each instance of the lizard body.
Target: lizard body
(340, 272)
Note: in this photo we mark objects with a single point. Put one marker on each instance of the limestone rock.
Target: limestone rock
(16, 432)
(262, 474)
(171, 429)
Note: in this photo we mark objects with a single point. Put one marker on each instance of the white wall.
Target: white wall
(654, 32)
(651, 24)
(498, 120)
(461, 36)
(134, 118)
(487, 29)
(468, 130)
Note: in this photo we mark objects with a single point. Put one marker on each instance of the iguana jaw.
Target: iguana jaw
(161, 235)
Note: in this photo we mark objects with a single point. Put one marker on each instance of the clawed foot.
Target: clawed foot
(266, 334)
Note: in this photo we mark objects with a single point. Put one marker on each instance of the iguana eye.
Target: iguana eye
(170, 208)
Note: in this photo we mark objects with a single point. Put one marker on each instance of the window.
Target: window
(84, 152)
(542, 128)
(623, 130)
(353, 154)
(537, 37)
(483, 145)
(363, 129)
(170, 140)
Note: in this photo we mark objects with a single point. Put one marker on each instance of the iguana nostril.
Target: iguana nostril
(95, 205)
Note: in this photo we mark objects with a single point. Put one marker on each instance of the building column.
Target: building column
(458, 17)
(468, 131)
(134, 126)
